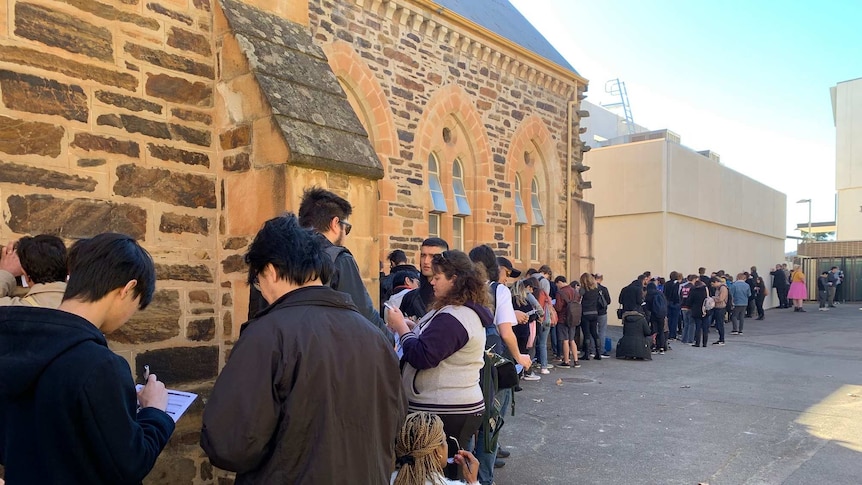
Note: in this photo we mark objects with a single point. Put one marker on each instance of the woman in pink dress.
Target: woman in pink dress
(798, 291)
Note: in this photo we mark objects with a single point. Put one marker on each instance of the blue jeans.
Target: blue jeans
(687, 327)
(555, 342)
(542, 344)
(718, 320)
(486, 459)
(672, 319)
(603, 327)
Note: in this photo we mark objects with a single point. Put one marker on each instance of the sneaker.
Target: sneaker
(661, 352)
(549, 366)
(734, 332)
(721, 343)
(717, 343)
(545, 371)
(576, 364)
(606, 354)
(740, 333)
(532, 377)
(565, 364)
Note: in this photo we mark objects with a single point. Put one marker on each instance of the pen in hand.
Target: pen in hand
(146, 373)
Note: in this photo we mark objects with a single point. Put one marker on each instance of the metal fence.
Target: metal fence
(850, 289)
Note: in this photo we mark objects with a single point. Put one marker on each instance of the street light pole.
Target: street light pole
(808, 236)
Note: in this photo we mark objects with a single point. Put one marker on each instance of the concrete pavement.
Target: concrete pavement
(780, 404)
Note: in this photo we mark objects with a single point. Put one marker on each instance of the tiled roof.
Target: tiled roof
(502, 18)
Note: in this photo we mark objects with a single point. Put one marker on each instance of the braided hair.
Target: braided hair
(419, 438)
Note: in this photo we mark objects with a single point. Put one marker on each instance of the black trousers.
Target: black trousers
(782, 297)
(590, 328)
(657, 327)
(759, 302)
(463, 427)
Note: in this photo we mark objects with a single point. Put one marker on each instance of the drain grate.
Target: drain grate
(577, 380)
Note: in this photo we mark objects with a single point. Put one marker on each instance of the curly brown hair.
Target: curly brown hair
(468, 279)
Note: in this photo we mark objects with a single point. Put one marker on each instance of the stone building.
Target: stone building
(187, 123)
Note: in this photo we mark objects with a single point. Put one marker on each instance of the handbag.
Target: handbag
(507, 375)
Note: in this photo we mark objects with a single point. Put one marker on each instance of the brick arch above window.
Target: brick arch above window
(451, 106)
(366, 96)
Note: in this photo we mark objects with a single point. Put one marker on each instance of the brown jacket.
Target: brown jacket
(721, 296)
(46, 295)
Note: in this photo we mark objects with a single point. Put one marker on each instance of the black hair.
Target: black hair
(435, 242)
(400, 277)
(397, 256)
(43, 258)
(295, 252)
(106, 262)
(319, 206)
(560, 279)
(545, 269)
(485, 256)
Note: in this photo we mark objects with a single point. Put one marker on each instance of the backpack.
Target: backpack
(659, 305)
(573, 310)
(334, 252)
(601, 304)
(550, 313)
(708, 303)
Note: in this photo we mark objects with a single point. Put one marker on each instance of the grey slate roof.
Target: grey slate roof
(309, 106)
(502, 18)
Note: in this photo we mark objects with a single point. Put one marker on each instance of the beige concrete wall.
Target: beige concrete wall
(662, 207)
(848, 159)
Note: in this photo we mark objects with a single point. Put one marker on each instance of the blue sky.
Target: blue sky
(747, 79)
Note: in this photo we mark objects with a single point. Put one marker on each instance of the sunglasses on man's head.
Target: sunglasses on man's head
(440, 258)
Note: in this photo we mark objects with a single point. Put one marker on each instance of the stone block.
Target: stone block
(136, 124)
(253, 197)
(236, 137)
(169, 61)
(235, 243)
(39, 177)
(180, 365)
(179, 223)
(108, 12)
(172, 468)
(128, 102)
(201, 330)
(68, 67)
(183, 272)
(179, 90)
(67, 32)
(172, 154)
(189, 41)
(194, 116)
(158, 322)
(91, 142)
(74, 219)
(173, 15)
(199, 296)
(234, 264)
(227, 324)
(182, 189)
(18, 137)
(236, 163)
(91, 162)
(34, 94)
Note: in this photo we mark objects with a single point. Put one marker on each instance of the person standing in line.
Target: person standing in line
(832, 284)
(740, 292)
(780, 284)
(568, 307)
(761, 295)
(41, 260)
(308, 378)
(590, 315)
(632, 296)
(656, 307)
(671, 294)
(688, 327)
(698, 316)
(721, 296)
(69, 411)
(823, 290)
(524, 301)
(415, 303)
(603, 314)
(327, 214)
(798, 292)
(839, 288)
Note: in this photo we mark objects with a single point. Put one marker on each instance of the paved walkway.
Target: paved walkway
(780, 404)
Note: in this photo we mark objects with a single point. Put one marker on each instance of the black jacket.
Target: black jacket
(416, 302)
(68, 407)
(635, 342)
(671, 292)
(779, 279)
(632, 297)
(311, 394)
(695, 301)
(607, 295)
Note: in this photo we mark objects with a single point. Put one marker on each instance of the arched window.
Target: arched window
(462, 205)
(520, 218)
(538, 220)
(438, 200)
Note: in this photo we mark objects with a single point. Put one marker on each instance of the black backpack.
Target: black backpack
(659, 305)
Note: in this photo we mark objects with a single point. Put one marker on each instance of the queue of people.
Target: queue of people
(425, 387)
